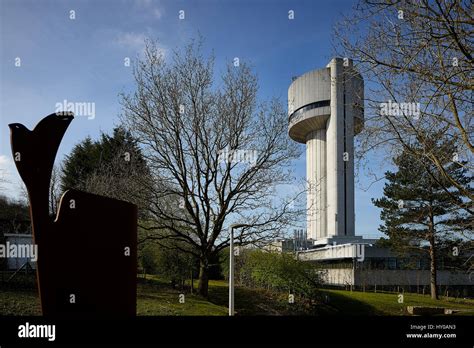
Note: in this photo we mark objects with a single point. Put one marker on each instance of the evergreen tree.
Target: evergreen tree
(112, 166)
(421, 209)
(80, 163)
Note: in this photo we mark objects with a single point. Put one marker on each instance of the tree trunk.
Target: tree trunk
(433, 268)
(203, 285)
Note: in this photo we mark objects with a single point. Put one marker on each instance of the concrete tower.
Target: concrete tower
(325, 108)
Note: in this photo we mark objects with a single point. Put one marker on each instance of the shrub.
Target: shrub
(277, 272)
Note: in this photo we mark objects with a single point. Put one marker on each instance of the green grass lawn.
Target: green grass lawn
(252, 301)
(19, 302)
(157, 298)
(369, 303)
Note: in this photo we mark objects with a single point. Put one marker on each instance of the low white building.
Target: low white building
(364, 265)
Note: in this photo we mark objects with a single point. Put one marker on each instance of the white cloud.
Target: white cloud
(151, 7)
(157, 13)
(9, 179)
(135, 42)
(5, 167)
(132, 41)
(3, 160)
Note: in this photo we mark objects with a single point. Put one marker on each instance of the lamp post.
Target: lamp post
(231, 267)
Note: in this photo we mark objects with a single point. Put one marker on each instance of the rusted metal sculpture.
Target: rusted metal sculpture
(87, 253)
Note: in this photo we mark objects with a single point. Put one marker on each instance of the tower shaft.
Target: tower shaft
(316, 176)
(325, 112)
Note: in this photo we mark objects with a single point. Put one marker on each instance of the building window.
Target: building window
(308, 107)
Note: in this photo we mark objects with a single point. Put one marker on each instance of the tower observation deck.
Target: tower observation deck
(325, 109)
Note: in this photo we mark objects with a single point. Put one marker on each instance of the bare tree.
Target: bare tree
(216, 154)
(55, 189)
(121, 178)
(417, 56)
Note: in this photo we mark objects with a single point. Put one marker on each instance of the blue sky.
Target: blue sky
(82, 59)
